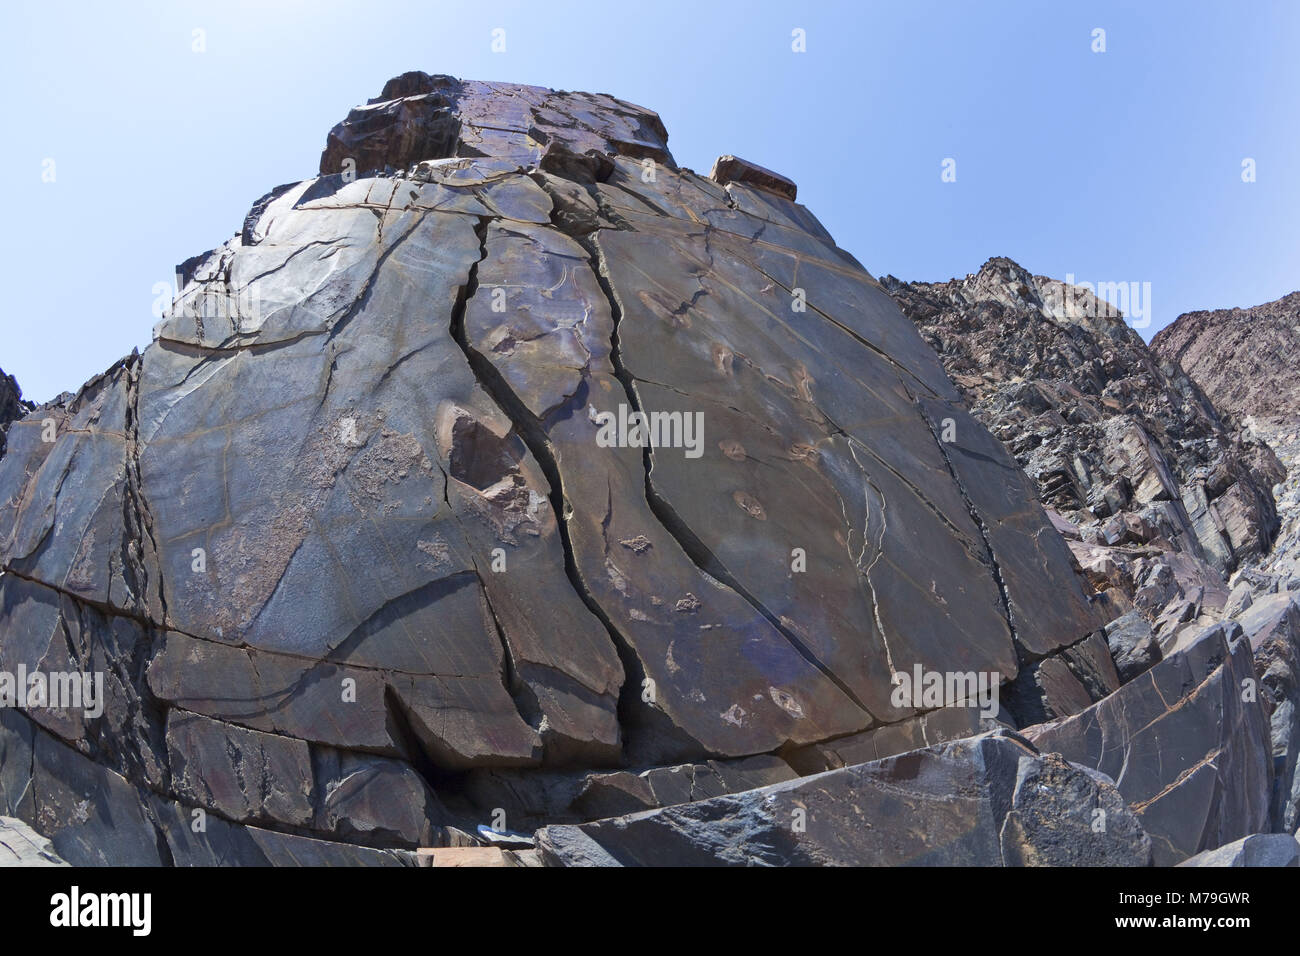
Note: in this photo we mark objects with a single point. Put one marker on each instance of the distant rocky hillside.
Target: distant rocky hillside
(1120, 444)
(1246, 360)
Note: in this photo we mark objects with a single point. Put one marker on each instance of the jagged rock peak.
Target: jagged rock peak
(1103, 426)
(1005, 281)
(1248, 363)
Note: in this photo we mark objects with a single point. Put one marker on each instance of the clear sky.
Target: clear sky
(1122, 166)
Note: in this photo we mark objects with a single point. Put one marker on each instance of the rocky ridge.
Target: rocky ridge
(1160, 497)
(1246, 362)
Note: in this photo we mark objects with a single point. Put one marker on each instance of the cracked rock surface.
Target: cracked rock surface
(989, 800)
(359, 567)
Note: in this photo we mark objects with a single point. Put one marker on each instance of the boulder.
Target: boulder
(1132, 645)
(1186, 743)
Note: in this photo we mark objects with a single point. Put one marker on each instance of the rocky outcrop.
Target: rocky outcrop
(1243, 359)
(1186, 742)
(1272, 624)
(990, 800)
(505, 470)
(1119, 441)
(12, 406)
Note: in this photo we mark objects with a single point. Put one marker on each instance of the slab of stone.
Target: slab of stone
(1186, 743)
(1258, 849)
(20, 845)
(985, 801)
(732, 169)
(1272, 625)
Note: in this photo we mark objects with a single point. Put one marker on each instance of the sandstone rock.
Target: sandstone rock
(987, 801)
(475, 856)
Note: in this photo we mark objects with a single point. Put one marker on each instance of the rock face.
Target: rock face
(1260, 849)
(1246, 361)
(1243, 359)
(1272, 625)
(12, 406)
(985, 801)
(1119, 441)
(505, 455)
(1186, 743)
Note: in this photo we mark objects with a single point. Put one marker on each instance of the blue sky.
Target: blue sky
(1122, 166)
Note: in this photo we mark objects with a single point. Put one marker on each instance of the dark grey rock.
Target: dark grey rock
(1186, 743)
(1259, 849)
(1273, 627)
(347, 551)
(985, 801)
(1132, 645)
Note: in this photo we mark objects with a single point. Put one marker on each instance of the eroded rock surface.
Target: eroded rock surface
(990, 800)
(368, 538)
(20, 845)
(1119, 441)
(1186, 742)
(12, 406)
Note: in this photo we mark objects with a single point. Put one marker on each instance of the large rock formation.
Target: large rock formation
(1248, 362)
(986, 801)
(1186, 743)
(1243, 359)
(506, 458)
(1158, 494)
